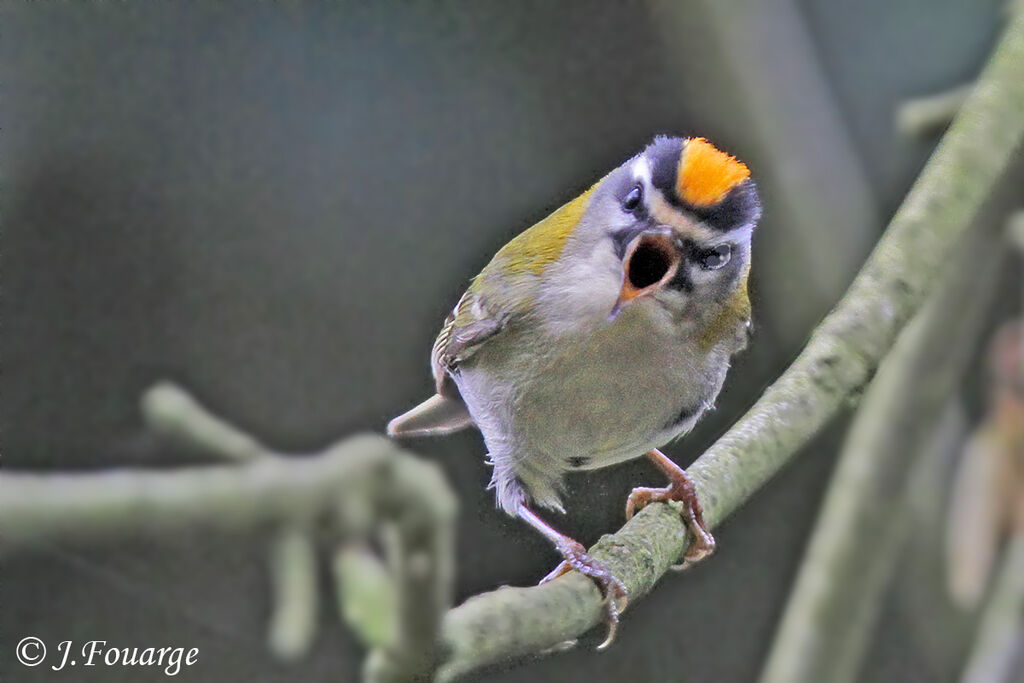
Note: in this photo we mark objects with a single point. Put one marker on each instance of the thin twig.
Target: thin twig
(922, 116)
(294, 591)
(170, 411)
(366, 594)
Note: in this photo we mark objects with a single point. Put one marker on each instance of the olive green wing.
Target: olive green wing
(465, 329)
(515, 272)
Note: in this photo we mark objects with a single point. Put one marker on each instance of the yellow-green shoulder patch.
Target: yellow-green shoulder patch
(536, 247)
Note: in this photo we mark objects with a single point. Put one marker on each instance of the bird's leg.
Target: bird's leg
(577, 557)
(680, 488)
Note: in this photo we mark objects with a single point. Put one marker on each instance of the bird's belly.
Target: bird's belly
(610, 398)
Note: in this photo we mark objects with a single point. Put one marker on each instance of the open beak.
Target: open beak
(650, 261)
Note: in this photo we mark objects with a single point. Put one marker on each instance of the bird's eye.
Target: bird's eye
(632, 200)
(715, 257)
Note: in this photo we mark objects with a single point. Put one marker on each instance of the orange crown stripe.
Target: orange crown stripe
(706, 174)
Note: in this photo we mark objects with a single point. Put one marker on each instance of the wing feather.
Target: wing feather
(467, 327)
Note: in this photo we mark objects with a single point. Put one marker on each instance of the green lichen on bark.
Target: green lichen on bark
(512, 622)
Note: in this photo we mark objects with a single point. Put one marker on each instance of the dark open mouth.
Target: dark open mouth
(650, 262)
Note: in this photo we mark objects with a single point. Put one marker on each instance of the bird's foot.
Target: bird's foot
(680, 489)
(614, 591)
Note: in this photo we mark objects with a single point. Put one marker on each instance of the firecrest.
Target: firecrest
(601, 333)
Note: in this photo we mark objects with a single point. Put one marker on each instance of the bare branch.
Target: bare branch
(293, 572)
(922, 116)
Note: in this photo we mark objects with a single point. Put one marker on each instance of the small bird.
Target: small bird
(599, 334)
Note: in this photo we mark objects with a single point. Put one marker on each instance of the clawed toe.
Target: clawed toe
(562, 569)
(680, 489)
(641, 497)
(614, 591)
(702, 546)
(575, 556)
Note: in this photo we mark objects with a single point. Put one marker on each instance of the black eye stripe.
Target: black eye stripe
(681, 281)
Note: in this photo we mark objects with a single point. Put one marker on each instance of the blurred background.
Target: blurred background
(276, 204)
